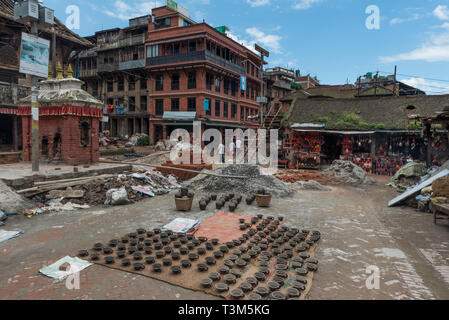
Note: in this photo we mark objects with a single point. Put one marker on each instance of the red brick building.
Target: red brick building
(196, 73)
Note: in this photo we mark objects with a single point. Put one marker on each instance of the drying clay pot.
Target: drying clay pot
(113, 243)
(228, 263)
(214, 276)
(240, 263)
(168, 250)
(201, 251)
(186, 264)
(193, 256)
(158, 246)
(262, 291)
(149, 260)
(183, 250)
(175, 255)
(209, 246)
(218, 254)
(276, 295)
(259, 276)
(150, 234)
(137, 256)
(126, 262)
(311, 267)
(98, 247)
(298, 286)
(235, 272)
(211, 261)
(301, 271)
(233, 257)
(138, 266)
(279, 280)
(229, 278)
(206, 283)
(83, 253)
(109, 260)
(121, 254)
(301, 279)
(223, 269)
(281, 274)
(246, 287)
(215, 241)
(160, 254)
(254, 296)
(264, 270)
(252, 281)
(273, 286)
(237, 294)
(202, 267)
(175, 269)
(221, 287)
(94, 256)
(166, 262)
(157, 267)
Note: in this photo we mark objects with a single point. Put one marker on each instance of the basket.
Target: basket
(263, 200)
(183, 204)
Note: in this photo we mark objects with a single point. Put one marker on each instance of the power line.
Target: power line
(407, 75)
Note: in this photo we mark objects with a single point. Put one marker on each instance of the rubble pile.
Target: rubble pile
(254, 181)
(123, 189)
(346, 172)
(408, 176)
(312, 185)
(11, 202)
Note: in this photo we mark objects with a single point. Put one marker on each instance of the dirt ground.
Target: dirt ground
(358, 231)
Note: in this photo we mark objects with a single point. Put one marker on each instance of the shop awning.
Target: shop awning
(179, 115)
(358, 133)
(226, 125)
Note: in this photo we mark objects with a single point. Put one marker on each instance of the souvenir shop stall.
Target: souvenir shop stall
(306, 149)
(395, 149)
(357, 149)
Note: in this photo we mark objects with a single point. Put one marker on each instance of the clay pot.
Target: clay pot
(166, 262)
(98, 247)
(157, 267)
(126, 262)
(237, 293)
(221, 287)
(186, 264)
(206, 283)
(149, 260)
(137, 256)
(214, 276)
(83, 253)
(175, 269)
(262, 291)
(138, 266)
(94, 256)
(109, 260)
(202, 267)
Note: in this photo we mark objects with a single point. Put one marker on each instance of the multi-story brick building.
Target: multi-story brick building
(196, 74)
(114, 72)
(15, 85)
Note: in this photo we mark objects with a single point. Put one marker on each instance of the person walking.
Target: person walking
(231, 150)
(238, 146)
(221, 152)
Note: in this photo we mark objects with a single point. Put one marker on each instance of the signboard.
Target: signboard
(34, 55)
(262, 100)
(173, 5)
(206, 104)
(242, 83)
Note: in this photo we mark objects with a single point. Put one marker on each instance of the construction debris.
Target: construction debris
(10, 201)
(346, 172)
(117, 197)
(254, 180)
(408, 176)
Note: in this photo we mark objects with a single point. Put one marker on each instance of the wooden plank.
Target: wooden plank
(417, 189)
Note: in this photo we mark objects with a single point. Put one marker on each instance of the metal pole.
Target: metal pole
(53, 52)
(261, 89)
(34, 115)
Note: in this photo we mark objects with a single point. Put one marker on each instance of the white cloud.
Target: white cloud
(445, 25)
(258, 3)
(125, 10)
(441, 12)
(305, 4)
(414, 17)
(271, 42)
(434, 50)
(425, 85)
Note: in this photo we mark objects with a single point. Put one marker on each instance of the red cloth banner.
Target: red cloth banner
(63, 111)
(8, 111)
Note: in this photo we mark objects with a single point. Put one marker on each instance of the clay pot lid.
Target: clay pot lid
(254, 296)
(138, 266)
(237, 293)
(190, 237)
(262, 291)
(202, 239)
(175, 269)
(83, 253)
(229, 278)
(206, 282)
(163, 235)
(126, 262)
(221, 287)
(149, 260)
(273, 285)
(276, 295)
(158, 246)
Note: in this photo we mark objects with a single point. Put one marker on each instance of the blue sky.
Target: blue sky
(326, 38)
